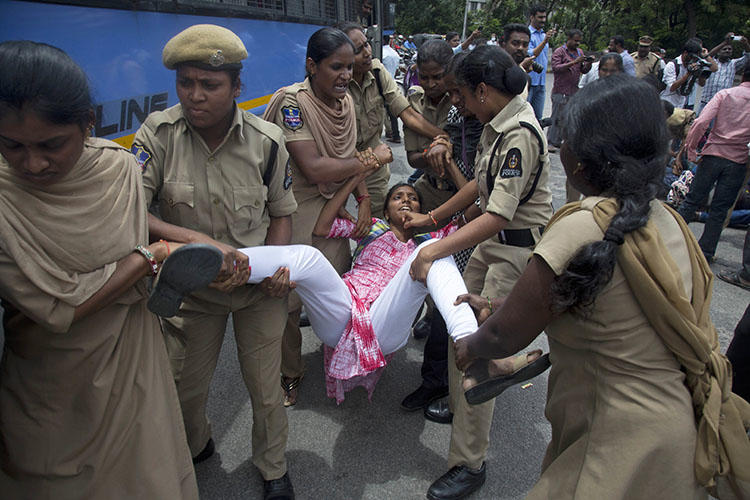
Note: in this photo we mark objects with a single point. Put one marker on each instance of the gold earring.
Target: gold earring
(578, 168)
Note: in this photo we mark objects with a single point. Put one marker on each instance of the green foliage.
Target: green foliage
(669, 22)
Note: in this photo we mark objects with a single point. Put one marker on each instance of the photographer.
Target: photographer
(728, 67)
(681, 73)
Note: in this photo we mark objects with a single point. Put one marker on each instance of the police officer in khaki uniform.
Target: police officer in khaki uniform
(431, 100)
(646, 62)
(372, 88)
(512, 170)
(318, 120)
(221, 175)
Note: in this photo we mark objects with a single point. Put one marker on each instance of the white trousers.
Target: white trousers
(329, 303)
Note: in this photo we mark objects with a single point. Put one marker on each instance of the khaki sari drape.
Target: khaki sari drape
(722, 455)
(88, 409)
(334, 130)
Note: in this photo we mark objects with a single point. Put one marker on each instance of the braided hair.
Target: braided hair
(616, 128)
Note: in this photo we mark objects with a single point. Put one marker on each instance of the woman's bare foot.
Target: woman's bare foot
(496, 367)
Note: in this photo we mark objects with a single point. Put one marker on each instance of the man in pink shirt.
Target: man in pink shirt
(724, 159)
(568, 63)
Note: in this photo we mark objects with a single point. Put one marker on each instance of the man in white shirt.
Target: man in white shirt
(681, 74)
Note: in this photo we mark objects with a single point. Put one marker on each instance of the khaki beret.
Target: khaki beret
(646, 40)
(205, 45)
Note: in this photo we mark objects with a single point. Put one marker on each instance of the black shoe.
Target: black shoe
(439, 411)
(206, 453)
(278, 489)
(395, 140)
(422, 397)
(303, 319)
(545, 122)
(422, 329)
(459, 482)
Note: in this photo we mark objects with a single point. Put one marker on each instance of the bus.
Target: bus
(118, 44)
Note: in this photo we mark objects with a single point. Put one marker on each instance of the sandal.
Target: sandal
(187, 269)
(734, 278)
(290, 384)
(490, 387)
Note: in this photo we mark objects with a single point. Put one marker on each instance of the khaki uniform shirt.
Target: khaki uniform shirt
(647, 65)
(220, 193)
(295, 127)
(370, 107)
(515, 166)
(437, 115)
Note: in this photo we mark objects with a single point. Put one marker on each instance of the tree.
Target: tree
(669, 22)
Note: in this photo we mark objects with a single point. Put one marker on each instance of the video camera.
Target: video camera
(536, 67)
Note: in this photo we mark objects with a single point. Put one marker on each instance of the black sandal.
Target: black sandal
(490, 388)
(734, 278)
(187, 269)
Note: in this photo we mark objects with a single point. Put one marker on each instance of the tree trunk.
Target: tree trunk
(691, 21)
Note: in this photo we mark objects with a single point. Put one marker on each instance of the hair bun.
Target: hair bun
(515, 79)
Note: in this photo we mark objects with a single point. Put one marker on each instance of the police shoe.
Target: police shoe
(439, 411)
(459, 482)
(422, 397)
(278, 489)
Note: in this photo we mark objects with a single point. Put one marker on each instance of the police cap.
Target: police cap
(206, 46)
(645, 40)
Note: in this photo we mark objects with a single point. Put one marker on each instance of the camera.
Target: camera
(536, 67)
(699, 65)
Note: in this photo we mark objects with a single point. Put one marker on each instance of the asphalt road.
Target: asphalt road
(373, 449)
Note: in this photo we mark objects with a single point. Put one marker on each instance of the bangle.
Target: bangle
(432, 217)
(489, 302)
(149, 258)
(360, 198)
(463, 218)
(166, 244)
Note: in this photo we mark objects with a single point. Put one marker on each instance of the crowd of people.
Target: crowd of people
(105, 377)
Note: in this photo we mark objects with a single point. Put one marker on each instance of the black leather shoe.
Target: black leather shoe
(422, 397)
(206, 453)
(439, 411)
(278, 489)
(459, 482)
(422, 329)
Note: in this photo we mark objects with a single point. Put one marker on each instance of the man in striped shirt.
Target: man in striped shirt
(728, 67)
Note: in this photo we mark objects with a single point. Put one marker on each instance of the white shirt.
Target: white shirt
(390, 59)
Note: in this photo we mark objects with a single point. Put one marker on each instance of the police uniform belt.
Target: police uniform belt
(518, 237)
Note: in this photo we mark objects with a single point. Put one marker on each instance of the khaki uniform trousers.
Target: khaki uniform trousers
(194, 340)
(492, 271)
(338, 252)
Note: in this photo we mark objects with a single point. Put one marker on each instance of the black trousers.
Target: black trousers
(739, 355)
(435, 360)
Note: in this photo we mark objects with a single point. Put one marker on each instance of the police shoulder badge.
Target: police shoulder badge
(292, 117)
(512, 165)
(142, 156)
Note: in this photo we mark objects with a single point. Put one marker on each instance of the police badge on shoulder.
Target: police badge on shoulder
(512, 165)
